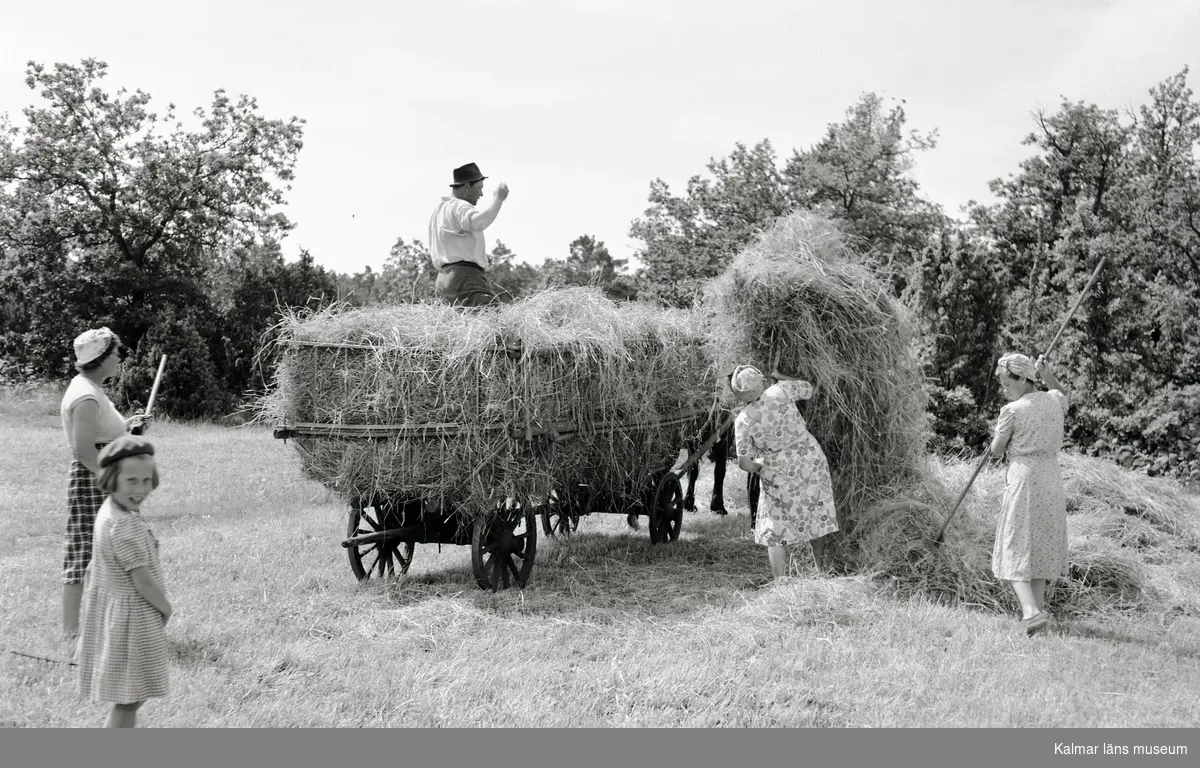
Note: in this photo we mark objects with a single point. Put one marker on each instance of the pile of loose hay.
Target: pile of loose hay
(1129, 508)
(799, 299)
(1106, 564)
(472, 407)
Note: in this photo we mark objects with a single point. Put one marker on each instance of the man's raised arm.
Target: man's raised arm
(479, 219)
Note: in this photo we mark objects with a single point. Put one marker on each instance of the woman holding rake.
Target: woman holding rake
(1031, 532)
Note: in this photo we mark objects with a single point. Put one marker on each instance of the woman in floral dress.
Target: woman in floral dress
(1031, 532)
(797, 491)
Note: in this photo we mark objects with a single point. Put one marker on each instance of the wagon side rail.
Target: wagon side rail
(554, 432)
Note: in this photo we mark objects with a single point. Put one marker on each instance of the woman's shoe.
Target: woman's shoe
(1036, 623)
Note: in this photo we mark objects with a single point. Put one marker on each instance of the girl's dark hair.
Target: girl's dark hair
(114, 345)
(107, 481)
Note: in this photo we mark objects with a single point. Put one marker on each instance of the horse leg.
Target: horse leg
(693, 474)
(720, 457)
(753, 491)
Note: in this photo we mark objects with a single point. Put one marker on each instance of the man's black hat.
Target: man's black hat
(467, 174)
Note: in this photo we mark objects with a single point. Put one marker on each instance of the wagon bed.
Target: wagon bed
(383, 529)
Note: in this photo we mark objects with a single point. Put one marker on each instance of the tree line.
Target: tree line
(112, 213)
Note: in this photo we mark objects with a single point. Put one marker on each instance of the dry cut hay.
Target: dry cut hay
(1132, 508)
(471, 407)
(798, 299)
(1105, 573)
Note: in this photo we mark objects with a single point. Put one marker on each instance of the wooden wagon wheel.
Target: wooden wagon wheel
(381, 558)
(560, 516)
(500, 556)
(666, 514)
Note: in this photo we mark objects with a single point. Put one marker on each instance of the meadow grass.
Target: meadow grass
(272, 630)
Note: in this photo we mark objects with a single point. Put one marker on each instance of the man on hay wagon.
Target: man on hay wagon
(456, 245)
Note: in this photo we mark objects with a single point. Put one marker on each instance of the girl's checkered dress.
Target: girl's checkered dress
(122, 652)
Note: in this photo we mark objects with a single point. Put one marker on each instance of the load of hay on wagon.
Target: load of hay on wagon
(427, 401)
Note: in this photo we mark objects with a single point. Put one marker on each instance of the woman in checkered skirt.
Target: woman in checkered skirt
(122, 655)
(89, 421)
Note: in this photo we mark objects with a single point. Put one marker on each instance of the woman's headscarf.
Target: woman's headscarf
(747, 379)
(1018, 366)
(92, 344)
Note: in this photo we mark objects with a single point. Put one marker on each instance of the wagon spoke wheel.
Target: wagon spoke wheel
(378, 559)
(666, 514)
(503, 548)
(560, 516)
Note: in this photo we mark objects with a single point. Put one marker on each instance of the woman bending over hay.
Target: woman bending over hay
(797, 491)
(1031, 532)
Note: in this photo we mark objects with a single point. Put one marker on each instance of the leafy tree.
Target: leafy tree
(190, 387)
(1126, 192)
(135, 204)
(408, 274)
(359, 289)
(520, 279)
(265, 285)
(859, 174)
(589, 263)
(692, 238)
(957, 295)
(35, 332)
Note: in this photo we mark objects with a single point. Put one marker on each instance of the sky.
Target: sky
(578, 106)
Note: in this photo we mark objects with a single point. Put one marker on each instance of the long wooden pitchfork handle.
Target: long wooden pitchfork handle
(987, 452)
(162, 363)
(978, 468)
(1091, 281)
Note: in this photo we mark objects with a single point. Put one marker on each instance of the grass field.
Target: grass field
(271, 629)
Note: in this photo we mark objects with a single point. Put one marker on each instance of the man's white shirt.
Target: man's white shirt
(456, 233)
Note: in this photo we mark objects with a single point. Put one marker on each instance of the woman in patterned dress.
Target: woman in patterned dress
(122, 654)
(1031, 532)
(89, 421)
(797, 492)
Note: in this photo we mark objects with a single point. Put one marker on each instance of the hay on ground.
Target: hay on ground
(1151, 511)
(1105, 568)
(798, 299)
(470, 407)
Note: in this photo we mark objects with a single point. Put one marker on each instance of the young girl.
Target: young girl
(797, 491)
(122, 653)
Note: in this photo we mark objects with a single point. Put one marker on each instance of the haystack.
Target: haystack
(471, 407)
(799, 300)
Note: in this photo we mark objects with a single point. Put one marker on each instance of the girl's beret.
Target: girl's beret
(124, 447)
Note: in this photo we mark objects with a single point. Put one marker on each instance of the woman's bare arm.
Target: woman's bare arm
(748, 464)
(1047, 374)
(999, 446)
(85, 418)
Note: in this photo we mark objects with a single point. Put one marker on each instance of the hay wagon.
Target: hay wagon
(443, 427)
(384, 528)
(664, 507)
